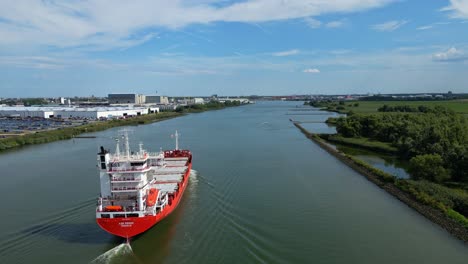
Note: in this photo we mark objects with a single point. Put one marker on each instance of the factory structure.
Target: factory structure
(75, 112)
(137, 99)
(118, 106)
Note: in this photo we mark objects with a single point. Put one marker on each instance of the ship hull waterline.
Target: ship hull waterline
(129, 227)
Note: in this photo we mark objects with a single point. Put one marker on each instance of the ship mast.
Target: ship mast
(117, 148)
(127, 146)
(176, 140)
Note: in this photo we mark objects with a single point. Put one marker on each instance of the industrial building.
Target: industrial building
(126, 99)
(156, 99)
(75, 112)
(240, 100)
(191, 101)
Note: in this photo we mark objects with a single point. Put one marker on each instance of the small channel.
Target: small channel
(387, 163)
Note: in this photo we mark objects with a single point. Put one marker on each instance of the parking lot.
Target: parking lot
(17, 126)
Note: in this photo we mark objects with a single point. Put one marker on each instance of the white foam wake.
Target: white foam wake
(193, 176)
(115, 255)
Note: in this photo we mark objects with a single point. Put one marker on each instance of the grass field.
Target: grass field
(459, 106)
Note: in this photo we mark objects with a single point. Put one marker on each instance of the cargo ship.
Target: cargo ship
(139, 189)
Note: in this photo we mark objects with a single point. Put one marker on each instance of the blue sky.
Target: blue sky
(204, 47)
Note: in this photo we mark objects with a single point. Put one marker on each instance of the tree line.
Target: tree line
(411, 109)
(435, 140)
(210, 105)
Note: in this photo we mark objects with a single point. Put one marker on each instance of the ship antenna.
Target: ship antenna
(117, 148)
(176, 140)
(127, 146)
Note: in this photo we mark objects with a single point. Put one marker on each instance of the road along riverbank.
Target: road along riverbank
(399, 188)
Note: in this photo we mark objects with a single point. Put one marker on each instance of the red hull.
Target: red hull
(132, 226)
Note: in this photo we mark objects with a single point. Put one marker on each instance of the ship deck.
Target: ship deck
(168, 178)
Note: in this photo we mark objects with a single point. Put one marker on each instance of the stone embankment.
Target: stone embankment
(434, 215)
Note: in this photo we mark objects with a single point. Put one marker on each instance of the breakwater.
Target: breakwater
(387, 183)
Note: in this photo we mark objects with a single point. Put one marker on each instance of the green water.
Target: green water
(261, 193)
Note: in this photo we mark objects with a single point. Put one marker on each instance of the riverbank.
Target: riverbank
(71, 132)
(403, 190)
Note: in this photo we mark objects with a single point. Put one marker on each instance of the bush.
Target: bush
(428, 167)
(457, 217)
(457, 199)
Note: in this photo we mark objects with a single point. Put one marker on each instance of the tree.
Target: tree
(428, 167)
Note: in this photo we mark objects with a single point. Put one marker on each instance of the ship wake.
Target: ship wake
(122, 253)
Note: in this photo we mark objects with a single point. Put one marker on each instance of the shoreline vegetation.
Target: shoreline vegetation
(433, 138)
(459, 106)
(41, 137)
(415, 194)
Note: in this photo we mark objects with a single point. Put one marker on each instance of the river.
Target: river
(261, 193)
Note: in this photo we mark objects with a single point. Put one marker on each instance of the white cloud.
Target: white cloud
(286, 53)
(433, 25)
(450, 55)
(312, 23)
(425, 27)
(457, 8)
(389, 26)
(119, 23)
(335, 24)
(34, 62)
(57, 62)
(311, 70)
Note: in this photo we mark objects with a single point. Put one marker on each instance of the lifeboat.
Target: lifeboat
(152, 196)
(113, 208)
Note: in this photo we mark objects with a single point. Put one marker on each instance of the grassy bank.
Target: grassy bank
(440, 204)
(363, 143)
(70, 132)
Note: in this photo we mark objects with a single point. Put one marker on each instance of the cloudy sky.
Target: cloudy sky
(227, 47)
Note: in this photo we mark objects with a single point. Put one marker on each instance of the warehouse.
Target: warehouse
(126, 99)
(19, 111)
(75, 112)
(156, 99)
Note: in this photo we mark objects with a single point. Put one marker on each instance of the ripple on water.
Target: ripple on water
(64, 226)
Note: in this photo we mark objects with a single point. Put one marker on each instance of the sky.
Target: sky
(55, 48)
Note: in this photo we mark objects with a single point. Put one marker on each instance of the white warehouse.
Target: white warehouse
(75, 112)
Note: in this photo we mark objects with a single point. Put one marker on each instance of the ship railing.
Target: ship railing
(127, 209)
(113, 198)
(128, 169)
(126, 205)
(119, 214)
(155, 154)
(125, 179)
(132, 157)
(126, 188)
